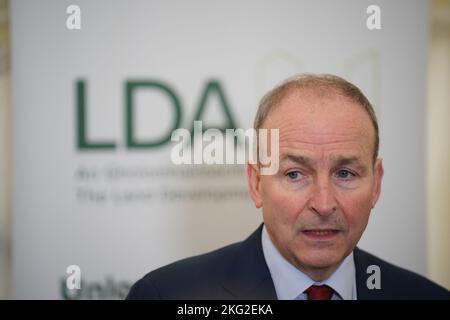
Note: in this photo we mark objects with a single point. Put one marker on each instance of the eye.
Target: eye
(294, 175)
(345, 174)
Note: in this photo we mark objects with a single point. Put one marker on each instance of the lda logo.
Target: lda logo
(213, 88)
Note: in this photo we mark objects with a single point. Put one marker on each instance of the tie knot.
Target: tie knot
(319, 293)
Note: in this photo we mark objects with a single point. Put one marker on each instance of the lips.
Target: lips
(320, 234)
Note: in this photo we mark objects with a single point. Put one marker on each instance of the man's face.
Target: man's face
(317, 206)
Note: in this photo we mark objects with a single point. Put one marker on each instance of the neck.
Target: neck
(316, 274)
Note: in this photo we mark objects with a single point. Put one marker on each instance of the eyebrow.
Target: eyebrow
(301, 160)
(343, 161)
(338, 161)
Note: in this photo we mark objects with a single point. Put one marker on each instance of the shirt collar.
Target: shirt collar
(289, 281)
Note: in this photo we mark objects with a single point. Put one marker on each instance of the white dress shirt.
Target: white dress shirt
(290, 282)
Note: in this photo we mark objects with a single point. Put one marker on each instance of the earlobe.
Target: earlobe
(253, 183)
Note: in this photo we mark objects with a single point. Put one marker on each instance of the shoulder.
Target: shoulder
(395, 282)
(198, 277)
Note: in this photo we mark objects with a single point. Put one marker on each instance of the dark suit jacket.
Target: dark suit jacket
(239, 271)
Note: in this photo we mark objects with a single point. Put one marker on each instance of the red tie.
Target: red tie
(319, 293)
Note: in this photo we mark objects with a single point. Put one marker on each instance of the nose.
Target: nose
(323, 201)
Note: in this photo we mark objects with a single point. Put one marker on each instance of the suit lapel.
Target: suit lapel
(248, 276)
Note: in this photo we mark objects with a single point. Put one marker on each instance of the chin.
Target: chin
(320, 258)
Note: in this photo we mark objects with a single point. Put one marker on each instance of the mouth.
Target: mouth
(320, 234)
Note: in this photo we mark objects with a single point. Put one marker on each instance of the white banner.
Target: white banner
(98, 87)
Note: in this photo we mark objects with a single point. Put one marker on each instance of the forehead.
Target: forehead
(322, 124)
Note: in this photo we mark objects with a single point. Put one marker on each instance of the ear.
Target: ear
(378, 175)
(253, 183)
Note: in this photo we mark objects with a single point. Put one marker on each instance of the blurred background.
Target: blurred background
(90, 92)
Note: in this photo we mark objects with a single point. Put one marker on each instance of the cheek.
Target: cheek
(280, 208)
(356, 208)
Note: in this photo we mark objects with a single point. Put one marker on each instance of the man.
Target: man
(315, 210)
